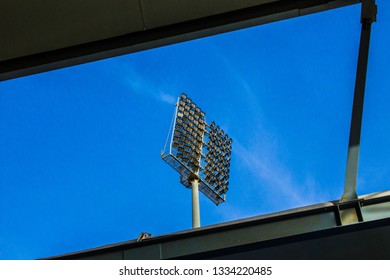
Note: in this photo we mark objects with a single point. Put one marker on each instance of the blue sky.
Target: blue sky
(80, 147)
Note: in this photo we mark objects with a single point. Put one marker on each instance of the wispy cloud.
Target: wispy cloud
(167, 98)
(276, 177)
(142, 85)
(261, 157)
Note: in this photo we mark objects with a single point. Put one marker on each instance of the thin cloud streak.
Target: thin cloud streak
(167, 98)
(270, 173)
(262, 156)
(138, 84)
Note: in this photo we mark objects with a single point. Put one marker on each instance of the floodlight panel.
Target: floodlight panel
(188, 133)
(198, 150)
(218, 148)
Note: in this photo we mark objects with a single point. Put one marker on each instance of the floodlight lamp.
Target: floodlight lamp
(218, 187)
(176, 137)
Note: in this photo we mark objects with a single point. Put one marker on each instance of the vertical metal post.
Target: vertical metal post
(195, 203)
(369, 10)
(195, 192)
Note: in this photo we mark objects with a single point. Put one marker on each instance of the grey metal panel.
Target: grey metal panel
(149, 252)
(115, 255)
(29, 27)
(366, 244)
(167, 12)
(241, 236)
(376, 211)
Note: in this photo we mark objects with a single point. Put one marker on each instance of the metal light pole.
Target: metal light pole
(369, 10)
(195, 203)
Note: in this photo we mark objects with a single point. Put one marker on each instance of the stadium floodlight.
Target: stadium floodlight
(200, 153)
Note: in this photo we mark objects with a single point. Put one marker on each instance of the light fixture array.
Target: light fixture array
(199, 151)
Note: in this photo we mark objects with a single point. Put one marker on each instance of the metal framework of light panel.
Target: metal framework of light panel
(199, 151)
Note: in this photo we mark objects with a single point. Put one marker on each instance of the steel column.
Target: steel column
(195, 203)
(369, 10)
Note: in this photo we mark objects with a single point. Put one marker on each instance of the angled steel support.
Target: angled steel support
(368, 16)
